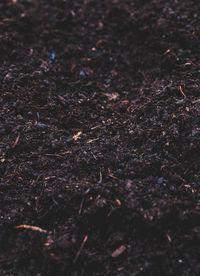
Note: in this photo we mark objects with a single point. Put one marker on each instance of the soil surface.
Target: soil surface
(100, 137)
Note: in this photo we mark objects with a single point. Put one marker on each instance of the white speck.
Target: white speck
(180, 261)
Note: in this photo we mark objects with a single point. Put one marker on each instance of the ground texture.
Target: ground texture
(99, 137)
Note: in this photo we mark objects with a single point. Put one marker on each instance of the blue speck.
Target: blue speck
(82, 74)
(52, 56)
(160, 180)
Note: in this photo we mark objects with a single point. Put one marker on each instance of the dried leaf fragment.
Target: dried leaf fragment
(118, 251)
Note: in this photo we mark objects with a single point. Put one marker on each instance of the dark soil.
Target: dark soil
(100, 137)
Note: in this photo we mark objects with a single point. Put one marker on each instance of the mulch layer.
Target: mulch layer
(99, 137)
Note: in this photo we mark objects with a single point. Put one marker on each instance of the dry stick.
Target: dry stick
(114, 177)
(100, 178)
(16, 141)
(81, 206)
(34, 228)
(196, 101)
(181, 90)
(79, 251)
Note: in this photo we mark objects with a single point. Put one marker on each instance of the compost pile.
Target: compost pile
(100, 137)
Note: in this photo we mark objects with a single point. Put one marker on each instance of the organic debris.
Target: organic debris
(99, 137)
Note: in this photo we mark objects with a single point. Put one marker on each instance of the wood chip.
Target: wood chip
(118, 251)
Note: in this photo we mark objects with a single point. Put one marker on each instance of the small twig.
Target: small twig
(168, 237)
(93, 155)
(95, 127)
(118, 251)
(111, 175)
(34, 228)
(100, 178)
(16, 141)
(167, 52)
(79, 251)
(54, 155)
(81, 206)
(196, 101)
(92, 140)
(181, 90)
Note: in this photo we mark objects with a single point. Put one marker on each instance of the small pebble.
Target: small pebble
(82, 74)
(160, 180)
